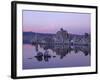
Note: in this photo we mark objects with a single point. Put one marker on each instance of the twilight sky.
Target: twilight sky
(51, 22)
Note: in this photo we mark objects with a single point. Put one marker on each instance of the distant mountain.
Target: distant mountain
(28, 36)
(33, 33)
(28, 33)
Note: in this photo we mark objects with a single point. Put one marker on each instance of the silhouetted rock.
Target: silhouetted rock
(39, 56)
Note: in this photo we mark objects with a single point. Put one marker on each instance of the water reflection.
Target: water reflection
(44, 56)
(60, 49)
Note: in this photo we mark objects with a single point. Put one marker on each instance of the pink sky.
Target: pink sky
(51, 22)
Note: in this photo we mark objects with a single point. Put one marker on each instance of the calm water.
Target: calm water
(73, 58)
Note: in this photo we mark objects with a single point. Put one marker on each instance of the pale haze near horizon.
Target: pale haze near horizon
(51, 22)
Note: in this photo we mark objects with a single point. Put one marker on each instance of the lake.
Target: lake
(74, 56)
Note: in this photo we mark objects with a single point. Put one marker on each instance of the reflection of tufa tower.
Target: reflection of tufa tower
(62, 35)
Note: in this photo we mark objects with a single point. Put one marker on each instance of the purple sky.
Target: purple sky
(51, 22)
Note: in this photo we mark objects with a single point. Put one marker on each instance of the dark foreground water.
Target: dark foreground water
(76, 56)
